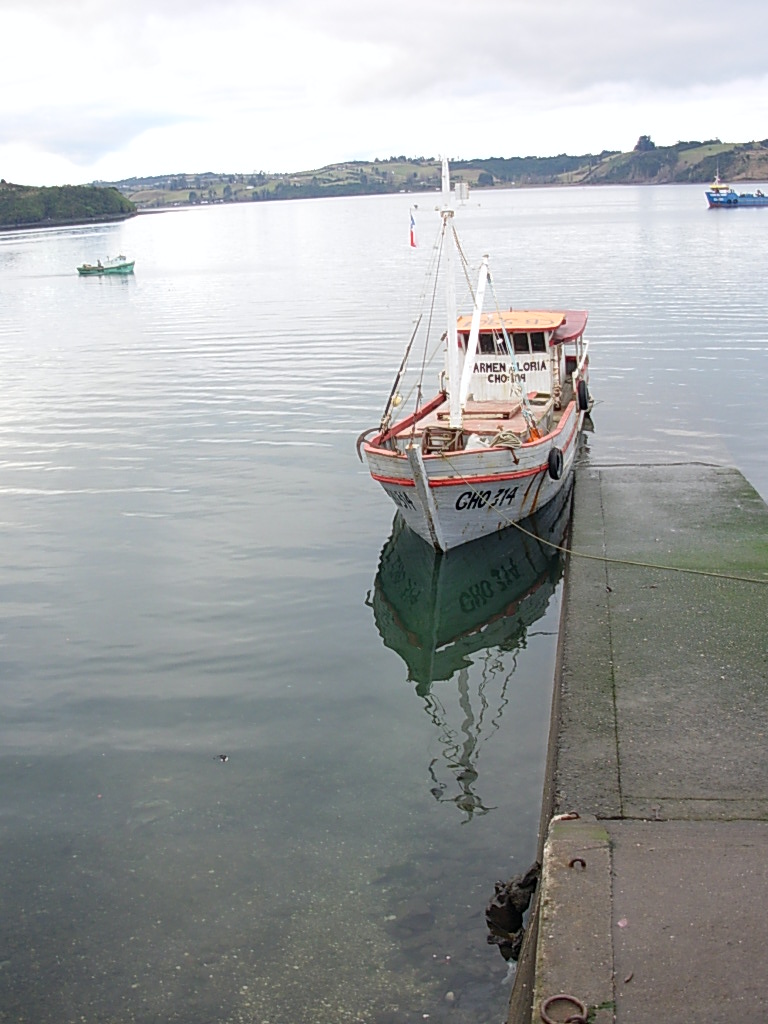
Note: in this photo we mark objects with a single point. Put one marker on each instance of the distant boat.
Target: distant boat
(498, 439)
(116, 265)
(719, 194)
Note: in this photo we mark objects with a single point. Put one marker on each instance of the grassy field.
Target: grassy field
(684, 162)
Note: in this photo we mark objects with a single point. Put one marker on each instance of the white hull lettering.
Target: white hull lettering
(401, 499)
(490, 368)
(532, 366)
(479, 594)
(507, 576)
(467, 500)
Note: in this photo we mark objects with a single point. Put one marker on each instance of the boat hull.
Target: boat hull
(454, 498)
(90, 271)
(732, 200)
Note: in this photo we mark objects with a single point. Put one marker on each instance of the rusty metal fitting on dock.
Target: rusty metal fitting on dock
(575, 1018)
(577, 860)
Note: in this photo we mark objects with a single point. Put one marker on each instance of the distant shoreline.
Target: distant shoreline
(690, 162)
(67, 223)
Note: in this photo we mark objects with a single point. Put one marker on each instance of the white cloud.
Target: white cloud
(153, 87)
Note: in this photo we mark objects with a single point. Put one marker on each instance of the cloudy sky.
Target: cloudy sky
(107, 89)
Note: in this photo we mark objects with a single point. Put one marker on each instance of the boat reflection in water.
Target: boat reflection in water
(438, 610)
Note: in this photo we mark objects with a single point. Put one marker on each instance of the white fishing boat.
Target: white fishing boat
(497, 441)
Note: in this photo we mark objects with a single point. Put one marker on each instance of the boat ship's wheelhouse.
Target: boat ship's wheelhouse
(518, 373)
(536, 353)
(496, 369)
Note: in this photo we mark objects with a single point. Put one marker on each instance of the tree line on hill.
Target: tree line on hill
(685, 162)
(24, 206)
(692, 161)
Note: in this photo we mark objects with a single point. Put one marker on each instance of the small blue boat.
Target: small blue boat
(721, 195)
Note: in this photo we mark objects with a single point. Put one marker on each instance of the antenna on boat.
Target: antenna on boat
(451, 339)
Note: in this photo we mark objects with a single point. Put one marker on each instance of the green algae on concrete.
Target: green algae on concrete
(659, 730)
(660, 668)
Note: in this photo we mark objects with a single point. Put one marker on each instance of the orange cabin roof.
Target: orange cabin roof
(515, 320)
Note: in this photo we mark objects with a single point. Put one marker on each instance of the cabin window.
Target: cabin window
(538, 341)
(520, 342)
(491, 343)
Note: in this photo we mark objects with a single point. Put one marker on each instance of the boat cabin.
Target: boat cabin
(520, 381)
(534, 349)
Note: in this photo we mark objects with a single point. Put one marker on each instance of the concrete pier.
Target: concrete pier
(653, 904)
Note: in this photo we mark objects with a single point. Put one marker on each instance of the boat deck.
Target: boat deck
(486, 419)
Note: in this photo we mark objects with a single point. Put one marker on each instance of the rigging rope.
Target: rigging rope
(385, 419)
(430, 275)
(509, 342)
(436, 257)
(464, 262)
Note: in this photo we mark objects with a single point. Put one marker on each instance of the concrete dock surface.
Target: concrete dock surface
(653, 903)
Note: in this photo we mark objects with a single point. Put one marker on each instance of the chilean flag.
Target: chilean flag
(413, 231)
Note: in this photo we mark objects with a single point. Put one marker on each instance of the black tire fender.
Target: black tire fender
(555, 463)
(582, 395)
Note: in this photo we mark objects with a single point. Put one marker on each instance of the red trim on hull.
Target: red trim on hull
(457, 481)
(489, 478)
(397, 481)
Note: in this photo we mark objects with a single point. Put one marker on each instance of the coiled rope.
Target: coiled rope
(506, 439)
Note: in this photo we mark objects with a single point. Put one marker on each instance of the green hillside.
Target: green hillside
(27, 206)
(645, 164)
(24, 206)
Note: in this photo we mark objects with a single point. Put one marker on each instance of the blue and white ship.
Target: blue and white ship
(719, 194)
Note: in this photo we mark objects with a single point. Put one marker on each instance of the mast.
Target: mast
(451, 334)
(474, 332)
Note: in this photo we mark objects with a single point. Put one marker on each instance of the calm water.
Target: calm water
(189, 567)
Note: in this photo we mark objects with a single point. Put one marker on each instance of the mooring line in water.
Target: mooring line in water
(606, 559)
